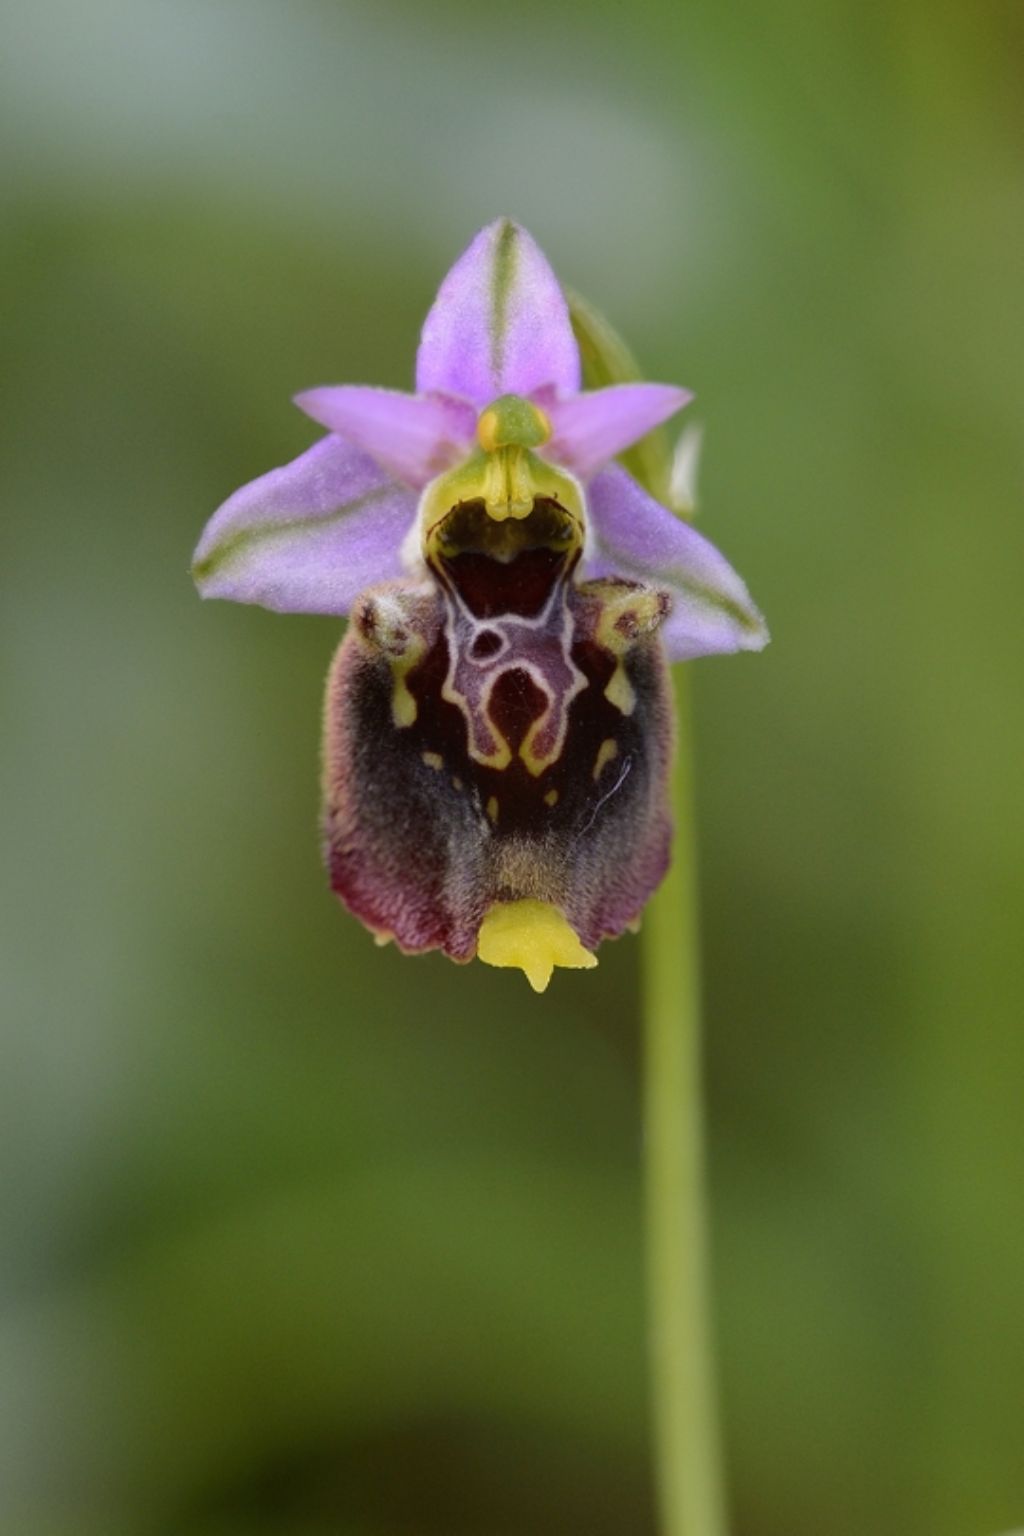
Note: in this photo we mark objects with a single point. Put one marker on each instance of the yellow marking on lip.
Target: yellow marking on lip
(628, 615)
(501, 754)
(492, 809)
(551, 798)
(536, 762)
(382, 624)
(534, 937)
(404, 708)
(433, 759)
(619, 691)
(608, 750)
(457, 782)
(533, 761)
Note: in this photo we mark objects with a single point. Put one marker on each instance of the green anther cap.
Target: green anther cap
(512, 421)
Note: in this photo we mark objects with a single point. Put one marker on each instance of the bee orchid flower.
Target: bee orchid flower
(498, 722)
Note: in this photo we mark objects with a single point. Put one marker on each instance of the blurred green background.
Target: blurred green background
(301, 1238)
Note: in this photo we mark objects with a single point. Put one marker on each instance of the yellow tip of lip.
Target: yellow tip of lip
(534, 937)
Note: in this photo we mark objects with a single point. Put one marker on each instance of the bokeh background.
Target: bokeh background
(301, 1238)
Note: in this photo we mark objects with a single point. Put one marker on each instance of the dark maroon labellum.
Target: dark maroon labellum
(498, 733)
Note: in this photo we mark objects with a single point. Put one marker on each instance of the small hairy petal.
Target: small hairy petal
(500, 323)
(309, 537)
(635, 536)
(415, 437)
(589, 430)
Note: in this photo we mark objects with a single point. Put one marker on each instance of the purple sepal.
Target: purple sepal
(589, 430)
(635, 536)
(416, 437)
(308, 537)
(499, 325)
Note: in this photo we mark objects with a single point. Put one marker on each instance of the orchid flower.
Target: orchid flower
(498, 724)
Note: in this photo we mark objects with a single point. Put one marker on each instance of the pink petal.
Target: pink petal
(499, 324)
(590, 429)
(309, 537)
(415, 437)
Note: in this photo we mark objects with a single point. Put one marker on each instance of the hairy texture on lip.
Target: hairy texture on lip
(422, 837)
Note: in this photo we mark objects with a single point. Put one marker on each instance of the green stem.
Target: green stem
(685, 1417)
(684, 1411)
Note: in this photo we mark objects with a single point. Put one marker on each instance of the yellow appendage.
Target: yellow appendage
(534, 936)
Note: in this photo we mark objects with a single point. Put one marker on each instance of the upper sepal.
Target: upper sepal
(308, 537)
(633, 535)
(500, 323)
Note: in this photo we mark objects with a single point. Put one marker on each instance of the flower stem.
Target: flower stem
(684, 1408)
(691, 1500)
